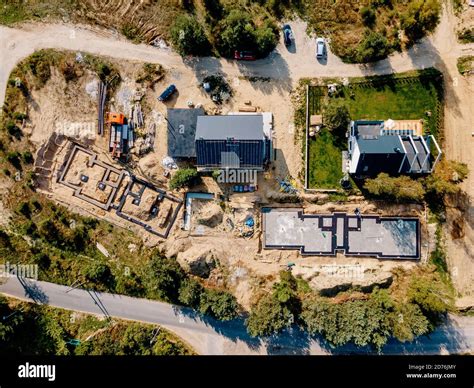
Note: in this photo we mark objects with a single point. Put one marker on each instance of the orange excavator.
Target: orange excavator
(115, 118)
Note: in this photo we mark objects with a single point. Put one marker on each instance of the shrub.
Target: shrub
(19, 116)
(131, 32)
(42, 260)
(27, 157)
(100, 273)
(184, 178)
(69, 71)
(466, 35)
(24, 209)
(150, 74)
(40, 66)
(465, 64)
(368, 16)
(13, 158)
(188, 36)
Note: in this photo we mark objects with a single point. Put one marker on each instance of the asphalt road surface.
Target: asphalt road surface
(210, 337)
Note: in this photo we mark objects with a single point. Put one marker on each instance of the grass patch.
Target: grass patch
(325, 161)
(465, 64)
(404, 97)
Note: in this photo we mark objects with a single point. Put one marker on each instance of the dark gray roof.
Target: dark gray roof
(381, 145)
(238, 127)
(182, 132)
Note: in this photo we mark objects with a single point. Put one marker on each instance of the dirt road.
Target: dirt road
(285, 64)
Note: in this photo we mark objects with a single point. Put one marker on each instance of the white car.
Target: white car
(320, 48)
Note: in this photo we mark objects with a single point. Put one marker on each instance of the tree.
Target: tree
(373, 47)
(336, 117)
(265, 39)
(430, 294)
(409, 322)
(401, 188)
(163, 278)
(238, 32)
(268, 317)
(190, 293)
(360, 322)
(219, 304)
(421, 16)
(188, 36)
(285, 292)
(444, 180)
(184, 178)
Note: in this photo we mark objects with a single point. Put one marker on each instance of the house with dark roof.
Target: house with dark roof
(236, 141)
(182, 132)
(390, 147)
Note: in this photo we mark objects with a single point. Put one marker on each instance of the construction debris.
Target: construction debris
(136, 116)
(101, 106)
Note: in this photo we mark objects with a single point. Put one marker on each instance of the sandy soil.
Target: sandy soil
(459, 145)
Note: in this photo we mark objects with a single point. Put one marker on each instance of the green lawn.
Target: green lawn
(395, 98)
(325, 161)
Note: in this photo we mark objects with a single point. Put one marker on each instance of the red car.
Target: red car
(244, 55)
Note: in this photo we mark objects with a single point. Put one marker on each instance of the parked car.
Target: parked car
(244, 55)
(287, 35)
(167, 93)
(320, 48)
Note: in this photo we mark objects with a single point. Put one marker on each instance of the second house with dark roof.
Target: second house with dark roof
(233, 141)
(393, 147)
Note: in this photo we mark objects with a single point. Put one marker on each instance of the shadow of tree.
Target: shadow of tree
(33, 291)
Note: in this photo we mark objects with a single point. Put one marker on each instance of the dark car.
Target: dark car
(167, 93)
(287, 35)
(244, 55)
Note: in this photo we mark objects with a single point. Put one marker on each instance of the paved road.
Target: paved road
(293, 64)
(210, 337)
